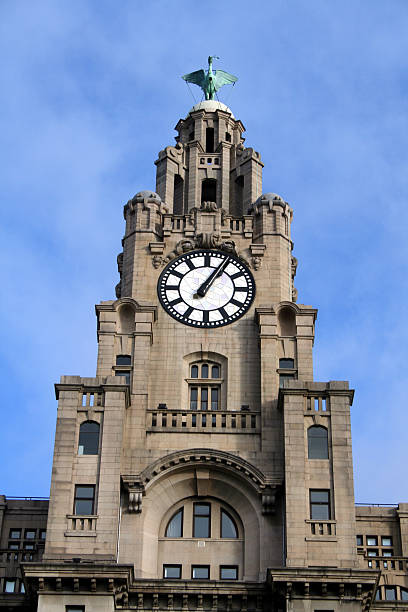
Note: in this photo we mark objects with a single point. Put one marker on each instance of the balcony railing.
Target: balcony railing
(82, 523)
(210, 421)
(387, 563)
(322, 528)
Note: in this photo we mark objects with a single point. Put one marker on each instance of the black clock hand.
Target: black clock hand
(202, 290)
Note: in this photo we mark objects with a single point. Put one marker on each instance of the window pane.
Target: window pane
(229, 572)
(200, 572)
(29, 534)
(201, 527)
(13, 546)
(194, 371)
(372, 540)
(359, 540)
(43, 534)
(193, 398)
(319, 496)
(320, 512)
(387, 553)
(28, 546)
(22, 587)
(84, 506)
(372, 553)
(15, 534)
(390, 593)
(228, 528)
(204, 371)
(123, 360)
(286, 363)
(174, 528)
(317, 442)
(84, 492)
(204, 398)
(215, 372)
(202, 509)
(171, 571)
(9, 586)
(386, 540)
(214, 399)
(404, 594)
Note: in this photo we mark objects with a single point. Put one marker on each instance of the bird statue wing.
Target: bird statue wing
(197, 77)
(223, 78)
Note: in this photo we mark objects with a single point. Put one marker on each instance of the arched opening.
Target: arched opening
(317, 442)
(126, 319)
(88, 438)
(178, 198)
(209, 140)
(209, 190)
(287, 322)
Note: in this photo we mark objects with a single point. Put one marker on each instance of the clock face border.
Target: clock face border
(161, 291)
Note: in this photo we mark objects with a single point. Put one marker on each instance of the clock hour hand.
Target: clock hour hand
(202, 290)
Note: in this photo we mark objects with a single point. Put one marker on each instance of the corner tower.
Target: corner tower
(203, 467)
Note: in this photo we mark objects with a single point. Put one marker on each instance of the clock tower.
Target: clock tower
(203, 468)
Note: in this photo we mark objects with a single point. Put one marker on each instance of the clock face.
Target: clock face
(206, 288)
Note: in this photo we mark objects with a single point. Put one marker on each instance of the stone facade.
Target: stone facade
(164, 499)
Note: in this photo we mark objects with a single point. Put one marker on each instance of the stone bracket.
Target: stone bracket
(269, 500)
(135, 491)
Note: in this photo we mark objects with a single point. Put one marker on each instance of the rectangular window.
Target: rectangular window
(193, 398)
(200, 572)
(124, 373)
(30, 534)
(84, 499)
(214, 398)
(28, 546)
(385, 540)
(283, 377)
(43, 533)
(387, 553)
(172, 571)
(22, 587)
(359, 540)
(202, 521)
(9, 586)
(372, 552)
(228, 572)
(13, 545)
(319, 504)
(204, 398)
(372, 541)
(15, 534)
(74, 608)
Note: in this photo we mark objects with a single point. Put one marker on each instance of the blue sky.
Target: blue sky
(91, 91)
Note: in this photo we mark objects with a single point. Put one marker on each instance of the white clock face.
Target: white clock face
(206, 288)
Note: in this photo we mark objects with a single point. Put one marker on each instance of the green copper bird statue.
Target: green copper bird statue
(212, 81)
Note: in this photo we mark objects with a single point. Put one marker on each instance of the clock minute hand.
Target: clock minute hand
(202, 290)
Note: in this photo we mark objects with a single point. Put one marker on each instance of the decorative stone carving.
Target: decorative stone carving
(209, 206)
(135, 500)
(122, 596)
(256, 262)
(210, 240)
(157, 261)
(269, 500)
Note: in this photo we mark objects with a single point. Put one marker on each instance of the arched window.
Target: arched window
(205, 391)
(174, 527)
(317, 442)
(178, 206)
(228, 526)
(88, 438)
